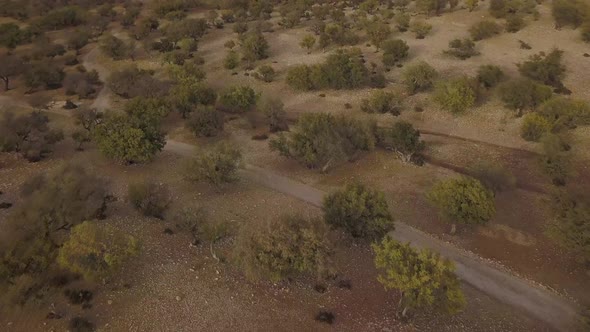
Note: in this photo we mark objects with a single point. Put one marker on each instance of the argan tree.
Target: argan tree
(394, 51)
(322, 141)
(284, 247)
(570, 227)
(383, 102)
(401, 138)
(28, 134)
(463, 200)
(10, 67)
(217, 166)
(237, 99)
(456, 95)
(424, 279)
(419, 77)
(96, 251)
(359, 211)
(134, 136)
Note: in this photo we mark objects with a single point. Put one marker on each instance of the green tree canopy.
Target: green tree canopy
(322, 140)
(134, 136)
(217, 166)
(456, 95)
(401, 138)
(570, 226)
(283, 247)
(360, 211)
(463, 200)
(424, 279)
(96, 251)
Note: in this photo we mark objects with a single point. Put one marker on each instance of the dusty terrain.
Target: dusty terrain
(177, 287)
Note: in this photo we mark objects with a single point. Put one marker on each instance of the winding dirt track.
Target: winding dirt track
(557, 312)
(544, 305)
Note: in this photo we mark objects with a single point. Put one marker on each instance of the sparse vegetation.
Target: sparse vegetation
(420, 28)
(484, 30)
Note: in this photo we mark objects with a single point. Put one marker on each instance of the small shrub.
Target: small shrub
(289, 246)
(556, 161)
(522, 93)
(545, 68)
(456, 95)
(494, 177)
(217, 166)
(80, 324)
(534, 126)
(524, 45)
(266, 73)
(149, 198)
(418, 77)
(484, 30)
(514, 23)
(569, 12)
(325, 317)
(274, 111)
(382, 102)
(462, 49)
(565, 113)
(78, 296)
(96, 251)
(360, 211)
(394, 51)
(205, 121)
(402, 21)
(190, 220)
(420, 28)
(489, 75)
(231, 60)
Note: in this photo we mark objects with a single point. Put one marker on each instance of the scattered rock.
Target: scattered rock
(5, 205)
(345, 284)
(320, 288)
(109, 302)
(53, 315)
(178, 298)
(325, 317)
